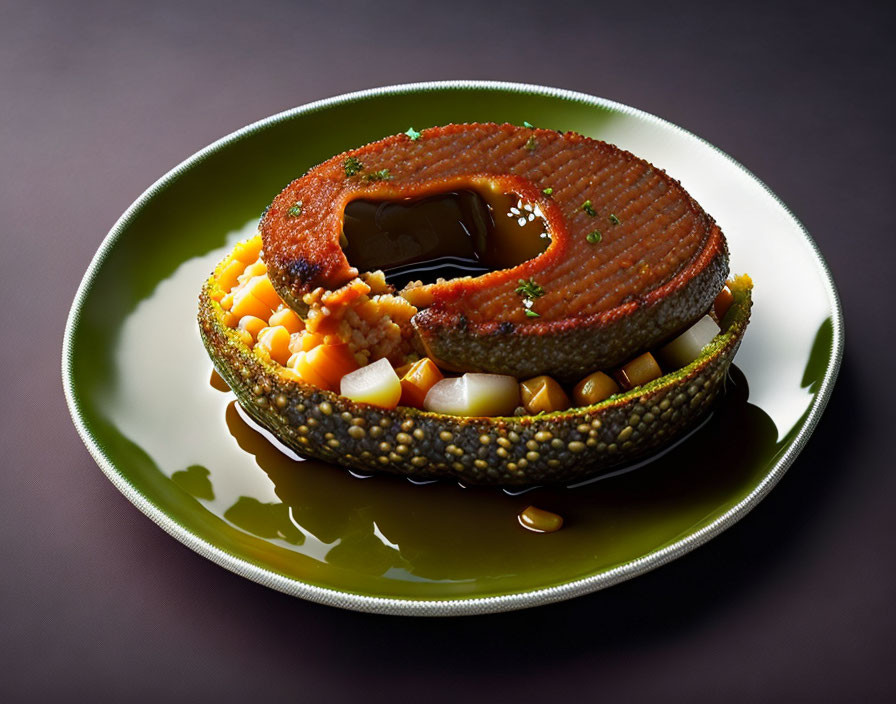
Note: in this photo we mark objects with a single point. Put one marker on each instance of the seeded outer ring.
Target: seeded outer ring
(558, 447)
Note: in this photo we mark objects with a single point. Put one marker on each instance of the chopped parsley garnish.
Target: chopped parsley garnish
(548, 191)
(381, 175)
(528, 124)
(352, 166)
(614, 219)
(594, 237)
(413, 134)
(529, 289)
(531, 144)
(295, 210)
(586, 206)
(531, 313)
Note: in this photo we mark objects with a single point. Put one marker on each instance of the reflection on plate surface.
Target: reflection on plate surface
(138, 382)
(384, 531)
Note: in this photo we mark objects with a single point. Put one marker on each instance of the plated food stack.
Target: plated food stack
(494, 303)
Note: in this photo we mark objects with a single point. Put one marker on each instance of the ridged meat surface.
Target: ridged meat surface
(658, 265)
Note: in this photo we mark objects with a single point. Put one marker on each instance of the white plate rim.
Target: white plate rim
(440, 607)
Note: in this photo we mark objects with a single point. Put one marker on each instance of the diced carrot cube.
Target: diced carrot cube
(252, 325)
(257, 268)
(332, 362)
(346, 294)
(276, 342)
(594, 388)
(307, 371)
(248, 250)
(543, 394)
(723, 303)
(244, 303)
(288, 319)
(323, 324)
(403, 369)
(230, 273)
(417, 381)
(530, 387)
(262, 288)
(310, 340)
(638, 371)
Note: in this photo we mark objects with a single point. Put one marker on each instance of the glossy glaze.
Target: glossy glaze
(458, 233)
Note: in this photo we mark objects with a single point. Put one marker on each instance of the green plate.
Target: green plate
(138, 383)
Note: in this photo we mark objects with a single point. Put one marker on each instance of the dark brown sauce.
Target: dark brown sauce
(458, 233)
(217, 382)
(699, 470)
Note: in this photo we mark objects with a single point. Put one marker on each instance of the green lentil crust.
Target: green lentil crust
(556, 447)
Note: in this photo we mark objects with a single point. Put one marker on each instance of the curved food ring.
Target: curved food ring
(556, 447)
(659, 263)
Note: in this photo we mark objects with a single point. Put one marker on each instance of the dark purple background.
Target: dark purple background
(98, 99)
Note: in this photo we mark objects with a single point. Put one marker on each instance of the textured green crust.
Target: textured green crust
(557, 447)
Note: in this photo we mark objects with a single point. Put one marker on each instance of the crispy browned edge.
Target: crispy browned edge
(566, 349)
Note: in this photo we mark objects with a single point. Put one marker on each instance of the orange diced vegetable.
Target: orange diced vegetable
(639, 371)
(252, 325)
(228, 278)
(310, 340)
(299, 362)
(256, 268)
(530, 387)
(288, 319)
(723, 303)
(417, 381)
(262, 288)
(244, 303)
(248, 250)
(542, 394)
(323, 324)
(276, 342)
(403, 369)
(332, 362)
(594, 388)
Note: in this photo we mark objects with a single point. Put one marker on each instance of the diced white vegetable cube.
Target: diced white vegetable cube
(447, 396)
(685, 348)
(377, 384)
(474, 395)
